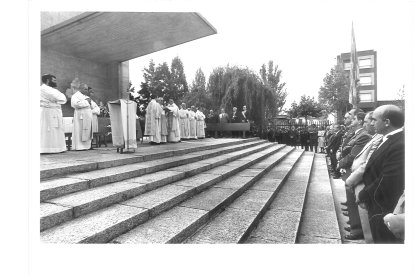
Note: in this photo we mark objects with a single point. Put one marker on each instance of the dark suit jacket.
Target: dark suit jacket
(235, 118)
(335, 142)
(354, 146)
(225, 118)
(244, 118)
(384, 184)
(211, 118)
(384, 175)
(347, 137)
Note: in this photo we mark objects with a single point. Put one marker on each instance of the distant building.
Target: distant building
(367, 76)
(95, 47)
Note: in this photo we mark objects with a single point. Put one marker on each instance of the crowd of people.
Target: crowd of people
(310, 138)
(367, 152)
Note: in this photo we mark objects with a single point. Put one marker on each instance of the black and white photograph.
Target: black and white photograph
(218, 137)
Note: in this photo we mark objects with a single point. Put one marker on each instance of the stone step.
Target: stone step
(77, 162)
(236, 222)
(178, 223)
(319, 221)
(280, 223)
(53, 188)
(87, 201)
(154, 201)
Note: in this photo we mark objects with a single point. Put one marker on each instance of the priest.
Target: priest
(82, 119)
(52, 136)
(200, 125)
(153, 121)
(173, 122)
(193, 122)
(184, 122)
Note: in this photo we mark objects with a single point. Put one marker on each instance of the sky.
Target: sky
(302, 37)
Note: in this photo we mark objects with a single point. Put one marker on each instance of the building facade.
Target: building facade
(367, 76)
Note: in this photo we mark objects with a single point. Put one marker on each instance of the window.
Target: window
(366, 96)
(347, 66)
(365, 63)
(365, 80)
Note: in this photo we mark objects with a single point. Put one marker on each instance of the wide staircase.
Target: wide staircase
(236, 191)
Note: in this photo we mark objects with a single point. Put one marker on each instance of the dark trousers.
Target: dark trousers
(314, 147)
(380, 232)
(354, 219)
(334, 162)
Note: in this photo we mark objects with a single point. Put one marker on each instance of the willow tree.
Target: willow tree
(233, 86)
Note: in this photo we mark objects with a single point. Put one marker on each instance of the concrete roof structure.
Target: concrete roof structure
(108, 37)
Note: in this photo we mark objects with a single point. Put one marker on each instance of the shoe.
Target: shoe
(347, 228)
(344, 209)
(354, 236)
(345, 214)
(344, 203)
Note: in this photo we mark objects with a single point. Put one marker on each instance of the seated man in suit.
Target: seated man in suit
(384, 172)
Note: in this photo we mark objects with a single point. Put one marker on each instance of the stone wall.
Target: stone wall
(106, 79)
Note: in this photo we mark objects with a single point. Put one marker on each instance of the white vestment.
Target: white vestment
(200, 125)
(123, 123)
(82, 122)
(95, 112)
(52, 136)
(153, 121)
(173, 124)
(193, 124)
(184, 123)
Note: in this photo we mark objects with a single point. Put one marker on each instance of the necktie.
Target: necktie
(374, 147)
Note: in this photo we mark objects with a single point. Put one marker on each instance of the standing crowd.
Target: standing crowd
(306, 137)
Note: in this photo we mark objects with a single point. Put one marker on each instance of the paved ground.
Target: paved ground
(338, 191)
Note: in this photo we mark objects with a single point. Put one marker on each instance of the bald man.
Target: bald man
(82, 119)
(384, 172)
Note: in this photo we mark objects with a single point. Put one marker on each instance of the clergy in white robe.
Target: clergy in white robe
(164, 122)
(184, 122)
(95, 111)
(173, 123)
(153, 122)
(82, 119)
(200, 125)
(193, 123)
(52, 136)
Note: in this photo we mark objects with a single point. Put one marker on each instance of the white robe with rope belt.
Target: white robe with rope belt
(82, 122)
(52, 136)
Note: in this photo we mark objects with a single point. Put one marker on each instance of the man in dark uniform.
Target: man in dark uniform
(313, 138)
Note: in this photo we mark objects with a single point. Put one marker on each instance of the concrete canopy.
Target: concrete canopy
(108, 37)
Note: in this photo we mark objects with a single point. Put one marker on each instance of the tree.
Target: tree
(271, 79)
(178, 81)
(198, 95)
(334, 94)
(400, 101)
(307, 107)
(233, 86)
